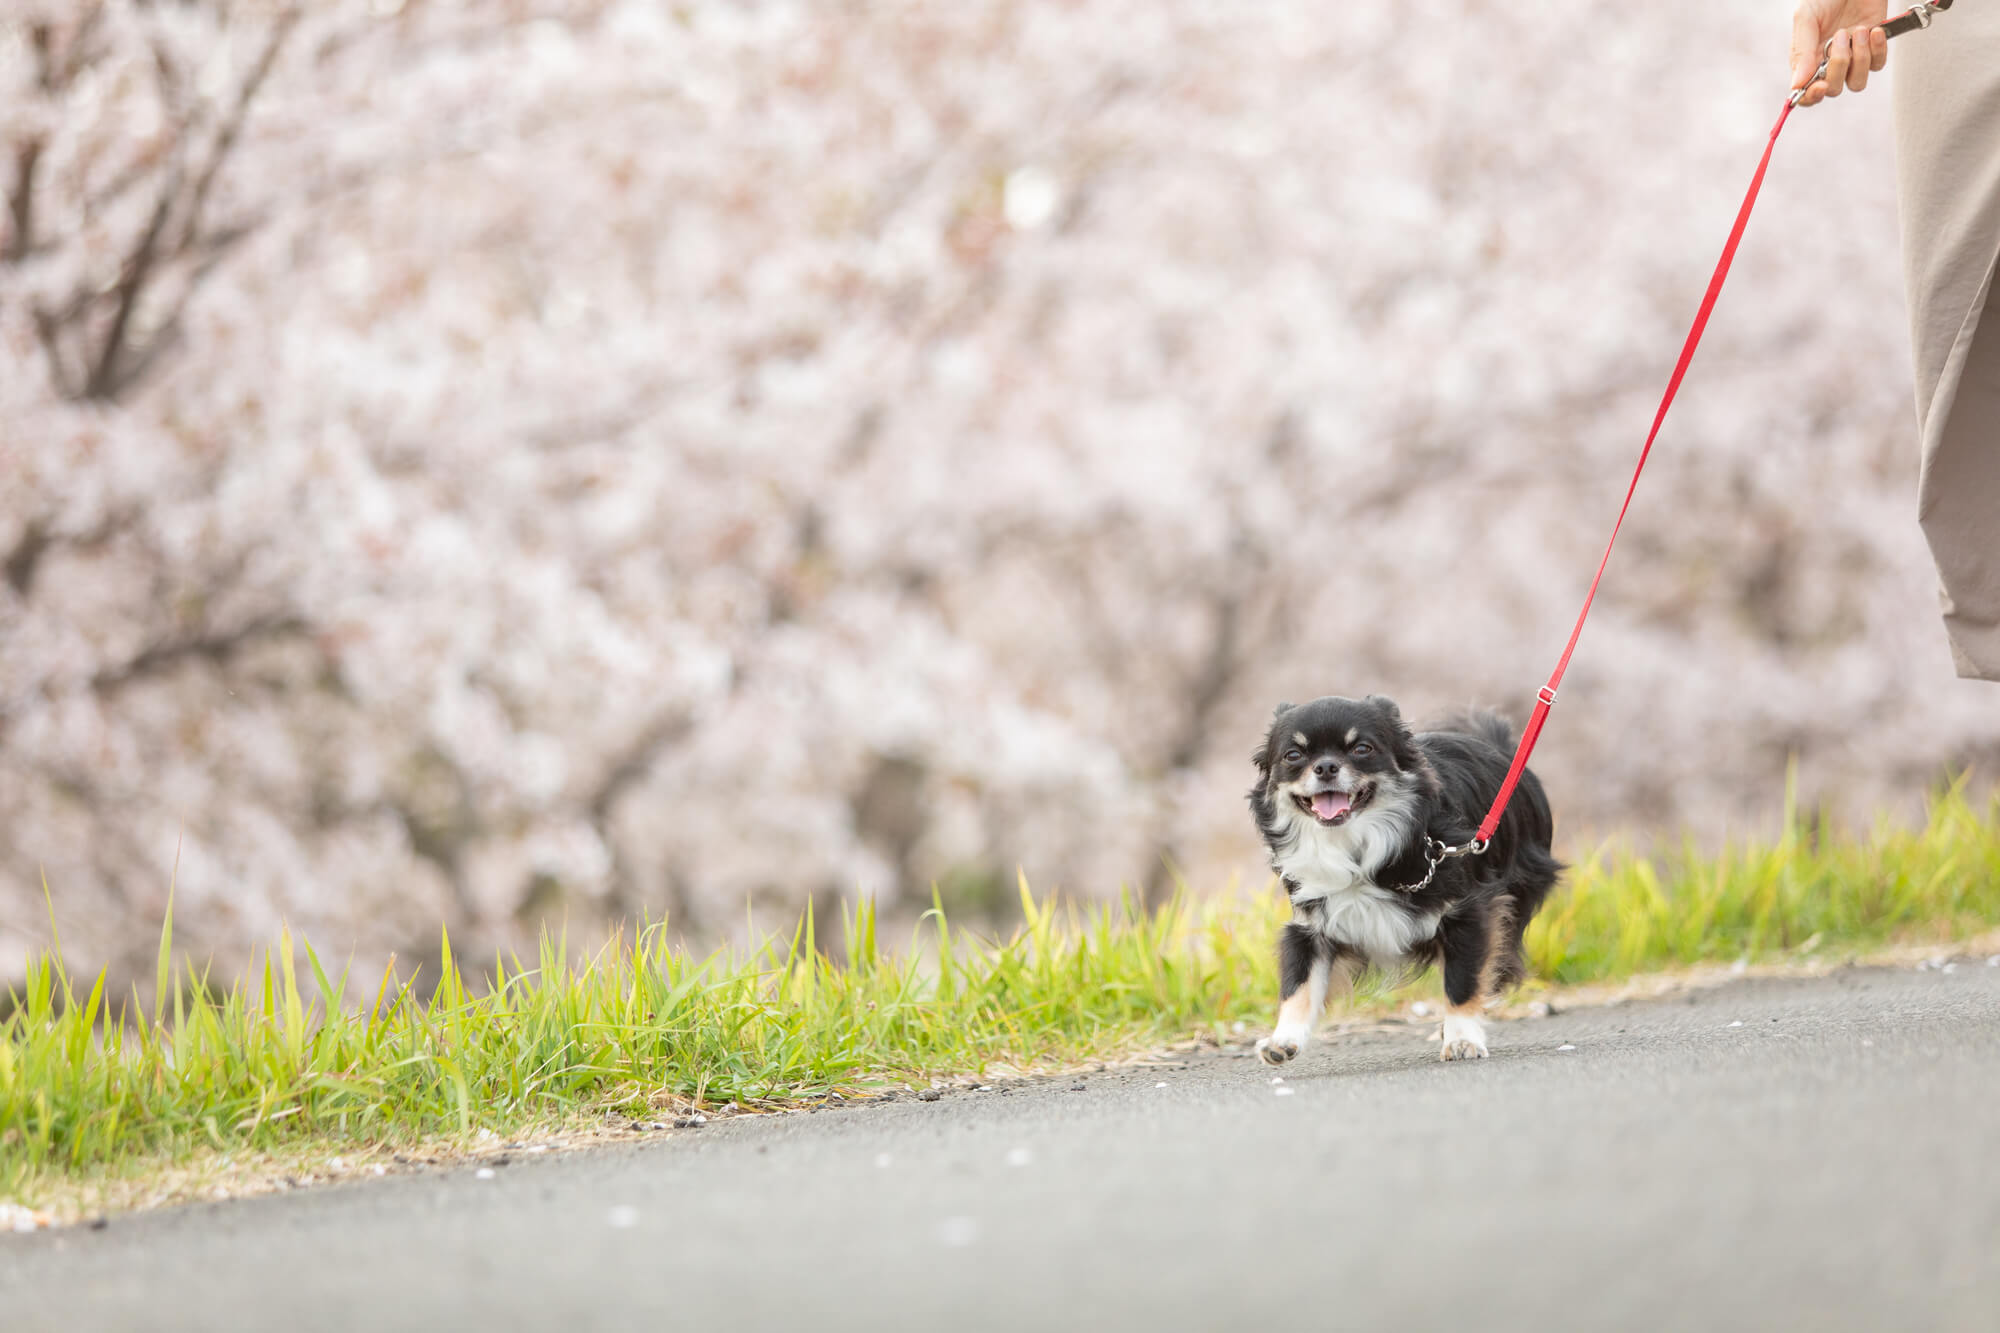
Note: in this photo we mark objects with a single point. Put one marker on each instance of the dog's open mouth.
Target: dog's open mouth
(1334, 807)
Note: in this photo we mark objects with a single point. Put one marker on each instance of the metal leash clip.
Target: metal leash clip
(1436, 853)
(1915, 18)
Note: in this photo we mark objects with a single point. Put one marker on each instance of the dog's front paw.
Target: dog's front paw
(1276, 1050)
(1464, 1039)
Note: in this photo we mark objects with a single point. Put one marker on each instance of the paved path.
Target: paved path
(1769, 1155)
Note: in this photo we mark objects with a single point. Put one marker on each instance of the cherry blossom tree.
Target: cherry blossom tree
(499, 462)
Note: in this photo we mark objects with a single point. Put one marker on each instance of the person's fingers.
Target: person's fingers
(1878, 49)
(1861, 61)
(1805, 45)
(1837, 60)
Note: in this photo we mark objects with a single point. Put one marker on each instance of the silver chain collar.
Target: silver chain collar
(1436, 853)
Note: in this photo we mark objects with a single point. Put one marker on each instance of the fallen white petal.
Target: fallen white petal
(1282, 1092)
(1566, 1047)
(483, 1173)
(1737, 1024)
(16, 1217)
(1159, 1085)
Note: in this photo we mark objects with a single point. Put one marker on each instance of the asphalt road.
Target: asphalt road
(1819, 1154)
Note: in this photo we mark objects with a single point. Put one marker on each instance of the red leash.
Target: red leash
(1546, 697)
(1917, 18)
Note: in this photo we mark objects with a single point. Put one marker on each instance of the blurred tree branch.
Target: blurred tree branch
(183, 198)
(627, 771)
(214, 646)
(94, 350)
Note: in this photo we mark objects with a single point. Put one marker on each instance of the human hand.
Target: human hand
(1859, 46)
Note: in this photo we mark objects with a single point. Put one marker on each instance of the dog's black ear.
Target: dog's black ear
(1263, 756)
(1405, 743)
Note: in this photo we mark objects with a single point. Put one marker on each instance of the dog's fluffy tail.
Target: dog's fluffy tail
(1487, 725)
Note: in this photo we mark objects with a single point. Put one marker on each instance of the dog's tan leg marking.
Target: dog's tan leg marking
(1464, 1033)
(1299, 1013)
(1502, 927)
(1296, 1015)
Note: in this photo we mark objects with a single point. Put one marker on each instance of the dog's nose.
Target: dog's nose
(1325, 768)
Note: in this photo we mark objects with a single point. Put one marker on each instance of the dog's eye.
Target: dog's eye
(1361, 750)
(1293, 755)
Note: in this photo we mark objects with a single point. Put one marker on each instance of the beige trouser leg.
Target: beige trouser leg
(1959, 504)
(1947, 91)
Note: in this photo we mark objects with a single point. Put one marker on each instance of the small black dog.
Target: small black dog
(1355, 808)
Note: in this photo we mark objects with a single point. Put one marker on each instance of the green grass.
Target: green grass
(1804, 892)
(291, 1057)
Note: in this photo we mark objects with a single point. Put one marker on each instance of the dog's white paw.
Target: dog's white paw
(1464, 1038)
(1464, 1049)
(1276, 1049)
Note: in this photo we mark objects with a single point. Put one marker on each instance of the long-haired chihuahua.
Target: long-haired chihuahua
(1356, 810)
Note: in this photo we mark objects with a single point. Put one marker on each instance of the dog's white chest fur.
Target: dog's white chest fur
(1335, 869)
(1370, 919)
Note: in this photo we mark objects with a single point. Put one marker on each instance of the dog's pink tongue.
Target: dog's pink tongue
(1327, 804)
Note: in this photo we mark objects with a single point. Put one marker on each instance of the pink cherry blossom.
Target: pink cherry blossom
(510, 460)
